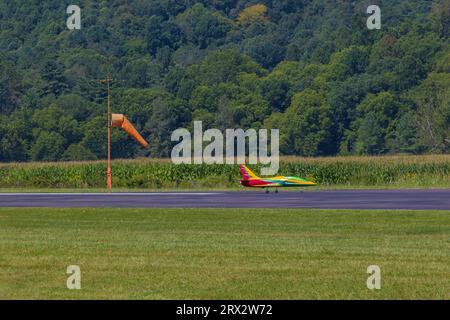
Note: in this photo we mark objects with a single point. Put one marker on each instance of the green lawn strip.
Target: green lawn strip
(223, 253)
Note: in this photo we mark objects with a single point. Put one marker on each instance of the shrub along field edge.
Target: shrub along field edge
(387, 171)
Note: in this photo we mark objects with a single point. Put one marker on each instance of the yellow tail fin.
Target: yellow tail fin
(247, 173)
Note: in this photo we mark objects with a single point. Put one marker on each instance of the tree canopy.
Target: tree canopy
(309, 68)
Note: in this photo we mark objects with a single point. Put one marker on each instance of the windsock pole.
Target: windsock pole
(118, 120)
(108, 81)
(109, 171)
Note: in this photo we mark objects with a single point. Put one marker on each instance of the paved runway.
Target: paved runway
(343, 199)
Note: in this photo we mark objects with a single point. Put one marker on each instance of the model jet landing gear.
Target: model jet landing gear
(276, 190)
(267, 191)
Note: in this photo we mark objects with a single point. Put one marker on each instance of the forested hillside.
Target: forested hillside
(308, 67)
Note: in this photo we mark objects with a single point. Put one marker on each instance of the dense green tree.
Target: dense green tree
(208, 119)
(9, 88)
(309, 68)
(440, 16)
(94, 138)
(15, 136)
(307, 124)
(225, 117)
(162, 33)
(250, 111)
(141, 73)
(384, 106)
(55, 82)
(408, 73)
(76, 107)
(223, 66)
(204, 97)
(404, 139)
(267, 51)
(201, 26)
(77, 152)
(53, 119)
(377, 117)
(370, 137)
(165, 118)
(344, 97)
(432, 99)
(173, 78)
(276, 91)
(49, 146)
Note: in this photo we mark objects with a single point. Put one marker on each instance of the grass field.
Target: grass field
(158, 174)
(224, 253)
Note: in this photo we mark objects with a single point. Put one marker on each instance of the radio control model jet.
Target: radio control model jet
(249, 179)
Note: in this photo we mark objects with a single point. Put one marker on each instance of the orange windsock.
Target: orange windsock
(119, 120)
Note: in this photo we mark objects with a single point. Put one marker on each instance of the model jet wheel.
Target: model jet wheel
(276, 191)
(267, 191)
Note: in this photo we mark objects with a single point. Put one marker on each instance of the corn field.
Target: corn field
(401, 171)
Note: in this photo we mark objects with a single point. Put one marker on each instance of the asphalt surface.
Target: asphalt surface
(342, 199)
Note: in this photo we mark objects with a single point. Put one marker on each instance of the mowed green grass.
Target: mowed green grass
(223, 253)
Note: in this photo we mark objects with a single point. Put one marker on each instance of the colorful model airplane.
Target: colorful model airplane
(249, 179)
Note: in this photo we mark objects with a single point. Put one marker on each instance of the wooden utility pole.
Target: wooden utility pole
(108, 81)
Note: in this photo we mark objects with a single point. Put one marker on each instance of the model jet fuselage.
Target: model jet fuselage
(249, 179)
